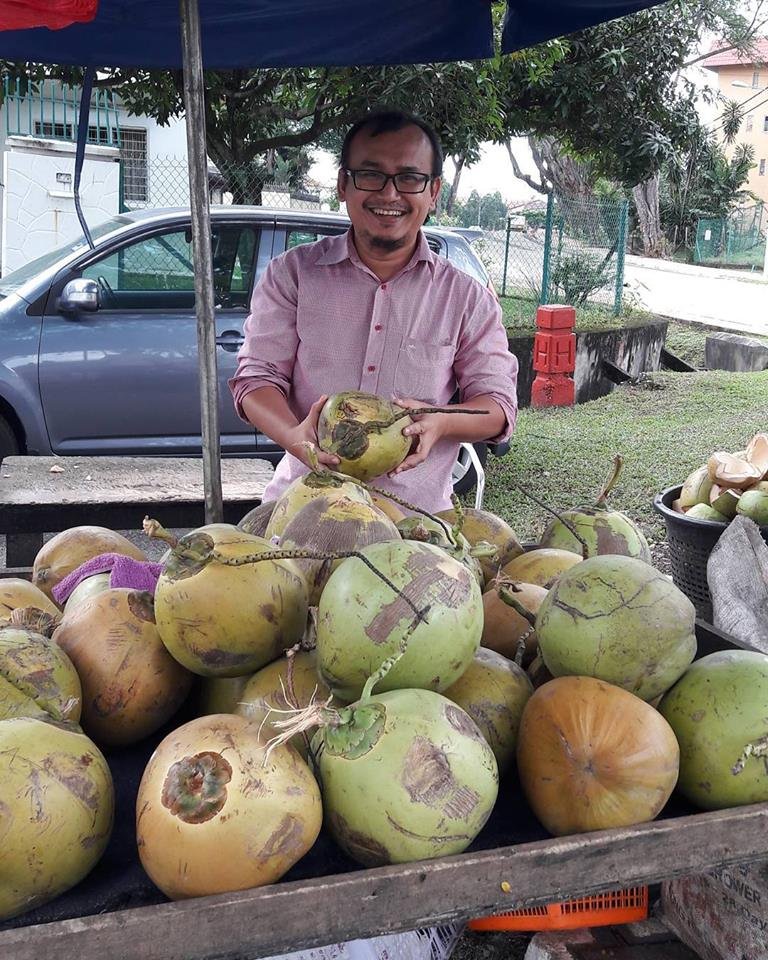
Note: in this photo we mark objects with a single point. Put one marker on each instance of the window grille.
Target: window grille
(133, 151)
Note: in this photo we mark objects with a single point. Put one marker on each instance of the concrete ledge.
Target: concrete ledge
(731, 351)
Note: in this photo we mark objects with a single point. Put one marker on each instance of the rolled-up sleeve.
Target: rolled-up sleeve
(268, 353)
(483, 365)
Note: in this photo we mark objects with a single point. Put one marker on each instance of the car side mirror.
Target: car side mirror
(79, 295)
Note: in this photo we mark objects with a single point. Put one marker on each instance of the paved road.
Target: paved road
(735, 300)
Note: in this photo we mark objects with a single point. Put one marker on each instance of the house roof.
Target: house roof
(733, 58)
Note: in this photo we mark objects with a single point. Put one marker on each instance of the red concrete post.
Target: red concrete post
(554, 357)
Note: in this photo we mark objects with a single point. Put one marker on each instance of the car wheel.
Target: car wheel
(464, 473)
(9, 445)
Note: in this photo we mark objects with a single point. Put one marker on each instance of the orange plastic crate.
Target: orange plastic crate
(600, 910)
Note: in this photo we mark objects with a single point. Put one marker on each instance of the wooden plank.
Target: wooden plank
(293, 916)
(22, 548)
(106, 480)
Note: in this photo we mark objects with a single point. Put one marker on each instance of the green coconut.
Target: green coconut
(702, 511)
(754, 504)
(696, 488)
(493, 690)
(220, 694)
(362, 620)
(620, 620)
(316, 483)
(56, 810)
(335, 523)
(37, 679)
(221, 615)
(719, 713)
(365, 432)
(407, 775)
(725, 500)
(600, 529)
(87, 588)
(424, 529)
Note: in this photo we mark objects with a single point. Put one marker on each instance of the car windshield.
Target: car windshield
(12, 281)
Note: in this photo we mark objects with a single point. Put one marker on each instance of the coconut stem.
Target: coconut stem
(613, 476)
(311, 555)
(291, 691)
(757, 748)
(418, 411)
(566, 523)
(458, 509)
(387, 665)
(410, 506)
(156, 531)
(506, 594)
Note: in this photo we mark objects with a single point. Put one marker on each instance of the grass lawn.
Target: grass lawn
(664, 427)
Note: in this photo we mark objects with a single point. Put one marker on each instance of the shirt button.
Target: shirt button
(383, 286)
(371, 369)
(378, 327)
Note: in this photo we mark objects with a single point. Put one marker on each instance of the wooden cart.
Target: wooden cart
(117, 913)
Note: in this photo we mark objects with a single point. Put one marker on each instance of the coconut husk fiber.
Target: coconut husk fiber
(737, 574)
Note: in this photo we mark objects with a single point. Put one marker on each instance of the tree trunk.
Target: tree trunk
(565, 175)
(459, 160)
(646, 197)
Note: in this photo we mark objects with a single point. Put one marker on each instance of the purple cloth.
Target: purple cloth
(124, 572)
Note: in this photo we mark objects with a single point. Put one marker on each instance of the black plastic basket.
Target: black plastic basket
(690, 544)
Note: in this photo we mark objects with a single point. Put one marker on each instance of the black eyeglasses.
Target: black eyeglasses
(373, 180)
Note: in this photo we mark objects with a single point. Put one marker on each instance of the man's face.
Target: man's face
(387, 220)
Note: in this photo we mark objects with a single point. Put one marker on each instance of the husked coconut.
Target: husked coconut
(729, 471)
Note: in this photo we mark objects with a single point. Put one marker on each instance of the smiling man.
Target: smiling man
(376, 310)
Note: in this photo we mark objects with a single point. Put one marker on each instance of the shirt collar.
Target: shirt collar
(342, 248)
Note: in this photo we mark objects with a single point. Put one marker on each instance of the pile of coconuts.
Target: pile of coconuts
(341, 660)
(729, 485)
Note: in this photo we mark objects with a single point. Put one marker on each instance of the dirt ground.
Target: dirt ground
(491, 946)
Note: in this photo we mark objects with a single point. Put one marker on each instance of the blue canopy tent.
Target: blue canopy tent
(228, 34)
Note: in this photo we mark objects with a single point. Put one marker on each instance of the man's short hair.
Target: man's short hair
(388, 121)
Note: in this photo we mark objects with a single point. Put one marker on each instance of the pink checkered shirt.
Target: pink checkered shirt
(322, 322)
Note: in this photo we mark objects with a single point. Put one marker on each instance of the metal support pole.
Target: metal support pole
(506, 258)
(194, 106)
(621, 250)
(547, 248)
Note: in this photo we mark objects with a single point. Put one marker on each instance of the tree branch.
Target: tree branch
(538, 187)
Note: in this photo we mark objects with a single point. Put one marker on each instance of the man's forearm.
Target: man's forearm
(473, 428)
(268, 411)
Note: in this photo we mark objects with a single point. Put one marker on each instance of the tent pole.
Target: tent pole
(194, 106)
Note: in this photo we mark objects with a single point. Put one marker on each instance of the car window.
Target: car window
(157, 272)
(463, 256)
(294, 238)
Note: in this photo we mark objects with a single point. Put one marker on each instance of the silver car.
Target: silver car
(98, 348)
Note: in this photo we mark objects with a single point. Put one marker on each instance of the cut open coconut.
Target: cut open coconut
(729, 471)
(757, 452)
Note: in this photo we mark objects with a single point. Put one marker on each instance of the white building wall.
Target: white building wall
(38, 209)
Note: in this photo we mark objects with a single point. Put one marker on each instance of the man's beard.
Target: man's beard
(388, 244)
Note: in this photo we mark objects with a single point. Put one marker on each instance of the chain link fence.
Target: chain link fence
(574, 254)
(152, 182)
(571, 253)
(735, 241)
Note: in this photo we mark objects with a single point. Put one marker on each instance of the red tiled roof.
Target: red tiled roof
(731, 58)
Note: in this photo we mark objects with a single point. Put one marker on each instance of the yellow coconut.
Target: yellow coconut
(255, 521)
(306, 488)
(226, 621)
(15, 594)
(388, 506)
(215, 813)
(131, 684)
(56, 811)
(87, 588)
(493, 690)
(333, 524)
(542, 566)
(503, 626)
(484, 526)
(696, 488)
(220, 694)
(265, 694)
(37, 679)
(71, 548)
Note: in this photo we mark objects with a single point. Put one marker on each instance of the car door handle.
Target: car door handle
(230, 340)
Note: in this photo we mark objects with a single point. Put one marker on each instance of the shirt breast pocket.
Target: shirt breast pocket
(425, 371)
